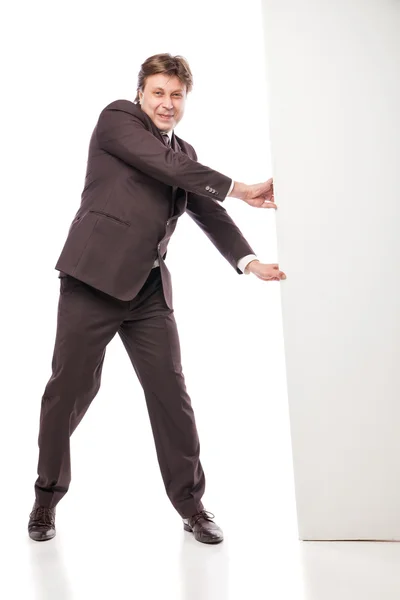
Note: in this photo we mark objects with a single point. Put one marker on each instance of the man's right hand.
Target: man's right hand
(260, 195)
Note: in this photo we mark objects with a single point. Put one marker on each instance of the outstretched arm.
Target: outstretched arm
(126, 136)
(221, 230)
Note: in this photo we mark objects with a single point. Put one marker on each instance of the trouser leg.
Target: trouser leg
(87, 320)
(151, 339)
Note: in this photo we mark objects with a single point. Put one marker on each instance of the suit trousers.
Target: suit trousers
(87, 321)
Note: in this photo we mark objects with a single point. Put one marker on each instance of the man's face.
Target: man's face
(163, 100)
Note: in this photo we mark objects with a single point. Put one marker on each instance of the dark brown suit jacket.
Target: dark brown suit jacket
(135, 190)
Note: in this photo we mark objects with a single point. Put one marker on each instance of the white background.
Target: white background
(63, 65)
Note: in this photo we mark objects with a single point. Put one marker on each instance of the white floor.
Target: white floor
(128, 550)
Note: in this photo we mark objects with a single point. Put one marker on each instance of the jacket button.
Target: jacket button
(168, 222)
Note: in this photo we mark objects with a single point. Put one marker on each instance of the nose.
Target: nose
(168, 104)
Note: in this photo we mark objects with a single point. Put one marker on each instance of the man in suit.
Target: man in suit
(141, 177)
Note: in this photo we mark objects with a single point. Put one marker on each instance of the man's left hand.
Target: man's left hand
(265, 272)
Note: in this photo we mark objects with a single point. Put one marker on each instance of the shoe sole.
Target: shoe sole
(43, 539)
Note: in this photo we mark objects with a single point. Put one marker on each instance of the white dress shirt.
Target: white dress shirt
(245, 260)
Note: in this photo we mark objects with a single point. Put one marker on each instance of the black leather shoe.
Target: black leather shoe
(204, 528)
(41, 524)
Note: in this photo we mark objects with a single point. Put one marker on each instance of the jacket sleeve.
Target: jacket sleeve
(125, 136)
(219, 227)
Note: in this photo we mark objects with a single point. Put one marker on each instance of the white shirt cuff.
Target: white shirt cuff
(243, 262)
(231, 188)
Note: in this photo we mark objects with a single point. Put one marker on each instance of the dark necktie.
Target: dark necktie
(166, 139)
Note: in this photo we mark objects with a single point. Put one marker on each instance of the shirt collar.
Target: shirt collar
(169, 133)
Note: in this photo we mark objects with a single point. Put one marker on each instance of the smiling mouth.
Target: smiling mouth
(166, 116)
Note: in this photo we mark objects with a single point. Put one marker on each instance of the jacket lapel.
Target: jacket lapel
(179, 201)
(175, 144)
